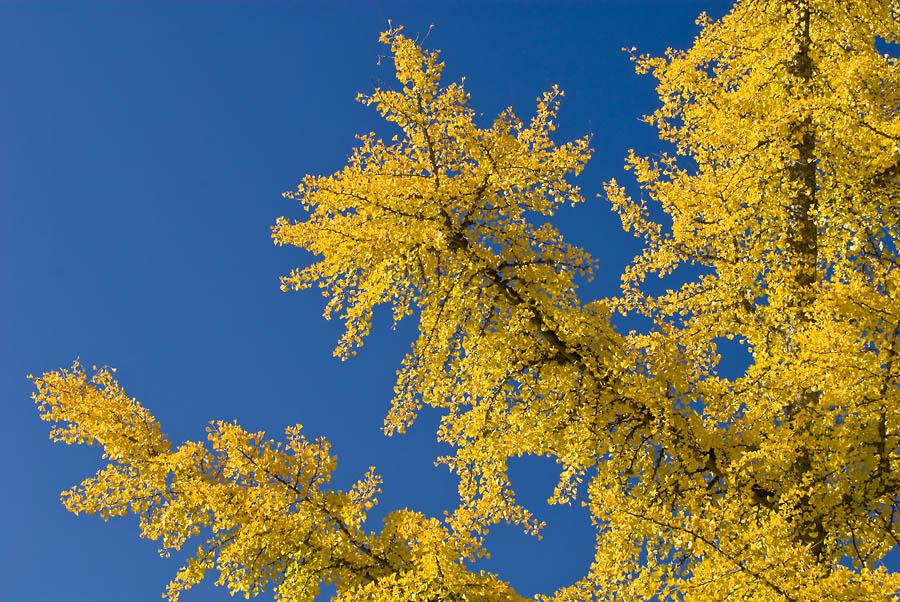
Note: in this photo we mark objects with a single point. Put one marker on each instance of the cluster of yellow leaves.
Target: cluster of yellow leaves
(266, 512)
(782, 484)
(437, 221)
(787, 112)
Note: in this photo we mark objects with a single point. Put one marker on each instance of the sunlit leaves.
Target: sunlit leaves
(437, 222)
(786, 115)
(264, 508)
(779, 484)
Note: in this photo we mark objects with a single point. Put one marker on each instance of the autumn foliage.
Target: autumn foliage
(780, 484)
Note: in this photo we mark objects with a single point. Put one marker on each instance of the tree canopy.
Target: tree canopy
(779, 484)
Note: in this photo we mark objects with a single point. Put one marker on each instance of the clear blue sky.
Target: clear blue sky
(143, 151)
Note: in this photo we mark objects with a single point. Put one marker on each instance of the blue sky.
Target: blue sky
(144, 150)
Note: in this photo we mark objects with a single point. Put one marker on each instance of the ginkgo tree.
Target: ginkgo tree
(780, 484)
